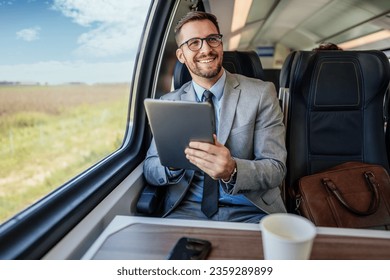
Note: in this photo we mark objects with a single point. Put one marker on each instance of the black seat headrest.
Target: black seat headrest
(336, 110)
(245, 63)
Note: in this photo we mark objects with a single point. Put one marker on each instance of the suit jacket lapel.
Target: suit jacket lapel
(189, 93)
(228, 107)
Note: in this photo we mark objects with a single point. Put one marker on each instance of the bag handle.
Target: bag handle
(373, 186)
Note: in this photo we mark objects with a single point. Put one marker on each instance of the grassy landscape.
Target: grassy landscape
(49, 134)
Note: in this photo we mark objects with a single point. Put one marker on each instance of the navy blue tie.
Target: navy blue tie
(208, 97)
(210, 186)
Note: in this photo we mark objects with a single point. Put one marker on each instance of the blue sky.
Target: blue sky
(62, 41)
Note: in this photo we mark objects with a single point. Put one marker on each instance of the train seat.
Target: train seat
(272, 75)
(334, 111)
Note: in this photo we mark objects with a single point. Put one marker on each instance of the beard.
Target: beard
(209, 71)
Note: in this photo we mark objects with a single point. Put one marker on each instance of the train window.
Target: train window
(65, 74)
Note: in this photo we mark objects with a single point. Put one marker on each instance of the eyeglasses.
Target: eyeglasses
(195, 44)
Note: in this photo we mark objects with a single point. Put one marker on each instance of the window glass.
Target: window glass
(65, 74)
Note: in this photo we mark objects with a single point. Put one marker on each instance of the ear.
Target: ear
(180, 55)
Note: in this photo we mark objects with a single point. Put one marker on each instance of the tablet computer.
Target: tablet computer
(174, 124)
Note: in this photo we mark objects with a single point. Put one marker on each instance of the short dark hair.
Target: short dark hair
(195, 16)
(328, 47)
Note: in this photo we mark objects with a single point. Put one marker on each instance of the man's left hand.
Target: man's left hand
(214, 159)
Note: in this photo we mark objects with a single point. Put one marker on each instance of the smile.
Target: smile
(206, 60)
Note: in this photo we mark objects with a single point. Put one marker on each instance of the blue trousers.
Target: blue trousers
(226, 213)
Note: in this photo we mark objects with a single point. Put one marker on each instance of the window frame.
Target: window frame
(35, 230)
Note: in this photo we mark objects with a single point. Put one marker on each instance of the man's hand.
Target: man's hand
(214, 159)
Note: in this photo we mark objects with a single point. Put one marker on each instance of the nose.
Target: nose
(205, 46)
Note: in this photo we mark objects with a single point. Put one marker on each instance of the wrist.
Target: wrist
(232, 174)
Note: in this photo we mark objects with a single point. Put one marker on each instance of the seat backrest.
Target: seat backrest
(272, 75)
(246, 63)
(335, 111)
(284, 84)
(284, 77)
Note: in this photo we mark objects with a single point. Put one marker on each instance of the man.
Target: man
(247, 160)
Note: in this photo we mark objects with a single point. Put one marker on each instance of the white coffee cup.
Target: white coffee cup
(287, 236)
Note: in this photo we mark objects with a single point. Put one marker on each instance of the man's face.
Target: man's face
(206, 63)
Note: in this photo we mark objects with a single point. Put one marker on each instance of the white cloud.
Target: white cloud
(29, 34)
(116, 24)
(113, 27)
(56, 72)
(7, 2)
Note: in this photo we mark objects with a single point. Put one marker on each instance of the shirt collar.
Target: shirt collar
(216, 89)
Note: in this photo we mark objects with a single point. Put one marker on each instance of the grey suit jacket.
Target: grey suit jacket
(251, 127)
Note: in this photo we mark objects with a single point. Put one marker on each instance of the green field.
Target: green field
(49, 134)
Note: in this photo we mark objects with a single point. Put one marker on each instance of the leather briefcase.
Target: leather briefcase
(350, 195)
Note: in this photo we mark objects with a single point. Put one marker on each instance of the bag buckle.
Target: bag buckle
(298, 201)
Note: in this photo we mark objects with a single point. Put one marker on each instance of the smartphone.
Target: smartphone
(188, 248)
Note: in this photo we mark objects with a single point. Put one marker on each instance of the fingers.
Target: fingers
(212, 159)
(216, 142)
(202, 159)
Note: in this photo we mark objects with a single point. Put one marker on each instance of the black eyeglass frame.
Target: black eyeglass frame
(211, 36)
